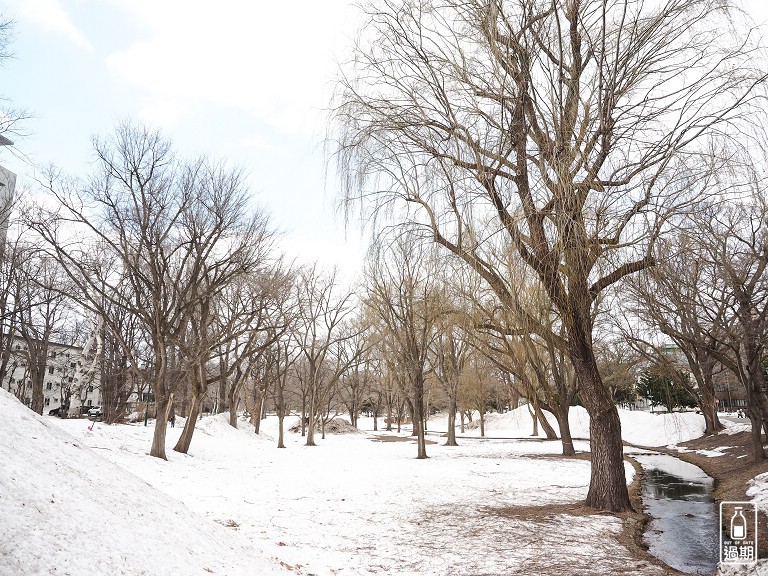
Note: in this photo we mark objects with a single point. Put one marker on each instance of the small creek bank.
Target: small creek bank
(679, 497)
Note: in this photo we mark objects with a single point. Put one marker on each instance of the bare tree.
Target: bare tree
(356, 383)
(450, 350)
(402, 294)
(738, 249)
(11, 302)
(548, 129)
(321, 330)
(44, 312)
(674, 300)
(155, 237)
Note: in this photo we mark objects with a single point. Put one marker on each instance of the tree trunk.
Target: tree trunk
(451, 422)
(412, 412)
(312, 421)
(758, 401)
(232, 415)
(482, 424)
(461, 420)
(565, 432)
(712, 424)
(162, 405)
(608, 482)
(758, 452)
(708, 402)
(189, 426)
(548, 430)
(375, 419)
(280, 431)
(418, 416)
(532, 413)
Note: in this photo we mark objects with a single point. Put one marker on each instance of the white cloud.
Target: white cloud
(265, 58)
(50, 15)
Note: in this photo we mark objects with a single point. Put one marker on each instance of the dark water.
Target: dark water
(679, 497)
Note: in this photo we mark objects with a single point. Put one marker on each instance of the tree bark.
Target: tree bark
(758, 452)
(312, 420)
(535, 419)
(608, 481)
(548, 430)
(185, 440)
(162, 406)
(451, 441)
(280, 431)
(565, 432)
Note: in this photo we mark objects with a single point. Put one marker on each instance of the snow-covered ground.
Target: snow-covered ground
(79, 502)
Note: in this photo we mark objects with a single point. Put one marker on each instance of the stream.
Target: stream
(679, 497)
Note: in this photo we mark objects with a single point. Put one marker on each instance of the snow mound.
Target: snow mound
(218, 425)
(732, 428)
(335, 426)
(637, 426)
(65, 509)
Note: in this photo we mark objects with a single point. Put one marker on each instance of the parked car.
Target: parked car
(54, 412)
(94, 412)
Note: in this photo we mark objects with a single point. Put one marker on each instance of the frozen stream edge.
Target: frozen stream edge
(679, 498)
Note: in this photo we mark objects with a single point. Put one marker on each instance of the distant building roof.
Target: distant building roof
(4, 141)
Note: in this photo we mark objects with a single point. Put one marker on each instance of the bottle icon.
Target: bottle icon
(738, 525)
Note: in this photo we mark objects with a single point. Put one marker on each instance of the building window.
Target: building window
(49, 386)
(50, 369)
(71, 364)
(90, 389)
(89, 403)
(47, 401)
(53, 354)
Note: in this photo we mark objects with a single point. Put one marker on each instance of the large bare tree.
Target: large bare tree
(154, 236)
(564, 131)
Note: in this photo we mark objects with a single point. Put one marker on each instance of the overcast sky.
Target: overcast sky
(246, 80)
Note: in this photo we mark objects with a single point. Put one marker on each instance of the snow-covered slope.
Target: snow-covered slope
(64, 509)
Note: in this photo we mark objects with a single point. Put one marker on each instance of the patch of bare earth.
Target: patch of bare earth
(388, 438)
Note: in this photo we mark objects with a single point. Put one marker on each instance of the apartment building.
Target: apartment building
(67, 382)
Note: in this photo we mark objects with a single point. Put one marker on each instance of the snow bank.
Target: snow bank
(758, 491)
(637, 427)
(64, 509)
